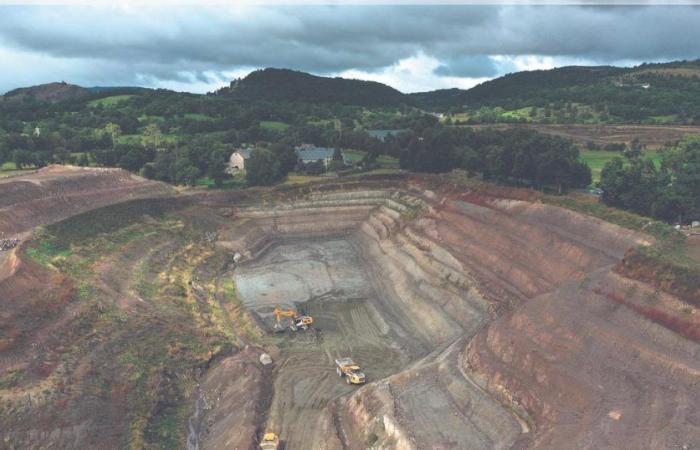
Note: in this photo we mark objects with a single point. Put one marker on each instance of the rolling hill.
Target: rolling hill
(50, 92)
(654, 93)
(294, 86)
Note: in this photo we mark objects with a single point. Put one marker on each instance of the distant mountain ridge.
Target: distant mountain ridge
(648, 93)
(567, 84)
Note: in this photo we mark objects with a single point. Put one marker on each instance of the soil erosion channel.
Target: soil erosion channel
(326, 279)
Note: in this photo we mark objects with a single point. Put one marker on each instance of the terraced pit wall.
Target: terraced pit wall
(481, 321)
(452, 273)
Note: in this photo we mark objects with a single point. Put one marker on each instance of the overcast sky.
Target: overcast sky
(412, 48)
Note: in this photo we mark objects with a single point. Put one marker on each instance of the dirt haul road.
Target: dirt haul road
(325, 279)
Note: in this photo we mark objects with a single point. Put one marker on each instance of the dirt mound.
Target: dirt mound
(57, 192)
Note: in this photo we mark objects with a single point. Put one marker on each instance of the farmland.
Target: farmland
(596, 159)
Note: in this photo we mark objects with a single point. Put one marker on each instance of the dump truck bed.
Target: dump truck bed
(342, 362)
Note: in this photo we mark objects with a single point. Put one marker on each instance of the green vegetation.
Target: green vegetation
(596, 159)
(670, 193)
(273, 125)
(186, 139)
(382, 161)
(514, 156)
(9, 169)
(649, 93)
(293, 86)
(113, 100)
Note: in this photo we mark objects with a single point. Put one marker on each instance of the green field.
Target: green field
(237, 181)
(110, 101)
(273, 125)
(596, 159)
(384, 161)
(9, 169)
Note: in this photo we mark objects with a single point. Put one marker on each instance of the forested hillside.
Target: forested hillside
(290, 85)
(649, 93)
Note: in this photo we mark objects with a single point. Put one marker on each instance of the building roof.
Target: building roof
(245, 152)
(308, 154)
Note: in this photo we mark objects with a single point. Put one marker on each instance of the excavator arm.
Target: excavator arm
(279, 313)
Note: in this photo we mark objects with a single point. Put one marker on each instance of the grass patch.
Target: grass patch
(273, 125)
(111, 101)
(596, 160)
(46, 251)
(235, 182)
(9, 169)
(244, 324)
(383, 161)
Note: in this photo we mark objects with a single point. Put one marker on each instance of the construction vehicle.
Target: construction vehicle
(347, 368)
(270, 441)
(299, 322)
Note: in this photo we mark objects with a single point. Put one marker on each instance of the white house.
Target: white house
(238, 159)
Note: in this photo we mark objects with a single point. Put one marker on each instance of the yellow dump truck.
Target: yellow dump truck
(270, 441)
(347, 368)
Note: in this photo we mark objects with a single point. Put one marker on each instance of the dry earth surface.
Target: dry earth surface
(483, 317)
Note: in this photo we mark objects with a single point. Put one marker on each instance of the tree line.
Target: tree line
(670, 192)
(515, 156)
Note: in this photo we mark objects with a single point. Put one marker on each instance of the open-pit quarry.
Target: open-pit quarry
(483, 318)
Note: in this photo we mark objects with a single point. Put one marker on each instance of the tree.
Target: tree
(287, 157)
(262, 168)
(22, 158)
(184, 171)
(134, 158)
(83, 160)
(151, 136)
(216, 167)
(114, 132)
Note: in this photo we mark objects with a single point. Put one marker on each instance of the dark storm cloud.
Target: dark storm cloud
(200, 44)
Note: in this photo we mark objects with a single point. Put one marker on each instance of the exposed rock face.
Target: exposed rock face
(543, 374)
(480, 321)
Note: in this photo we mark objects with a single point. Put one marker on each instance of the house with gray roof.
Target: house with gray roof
(307, 153)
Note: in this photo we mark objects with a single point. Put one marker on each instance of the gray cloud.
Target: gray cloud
(469, 66)
(203, 44)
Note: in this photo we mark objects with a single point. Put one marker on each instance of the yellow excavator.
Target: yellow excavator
(299, 322)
